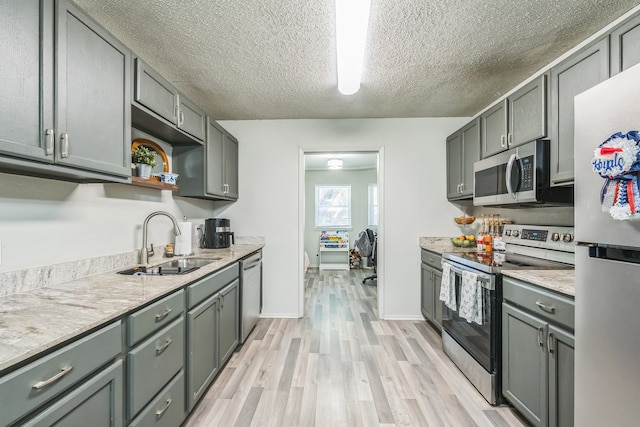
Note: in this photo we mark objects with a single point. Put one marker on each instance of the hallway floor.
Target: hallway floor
(341, 366)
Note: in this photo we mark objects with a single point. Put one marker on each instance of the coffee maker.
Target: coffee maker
(217, 233)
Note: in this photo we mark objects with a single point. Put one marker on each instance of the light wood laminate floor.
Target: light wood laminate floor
(342, 366)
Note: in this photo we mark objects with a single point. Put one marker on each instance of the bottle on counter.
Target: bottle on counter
(480, 236)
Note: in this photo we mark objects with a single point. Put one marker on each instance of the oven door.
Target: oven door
(480, 341)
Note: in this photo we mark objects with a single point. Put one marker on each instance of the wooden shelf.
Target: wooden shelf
(141, 182)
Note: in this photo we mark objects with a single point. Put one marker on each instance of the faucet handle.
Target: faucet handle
(150, 252)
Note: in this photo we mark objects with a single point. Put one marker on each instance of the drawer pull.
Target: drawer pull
(546, 307)
(164, 346)
(164, 408)
(53, 379)
(162, 315)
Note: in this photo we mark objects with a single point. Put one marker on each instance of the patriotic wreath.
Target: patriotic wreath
(618, 161)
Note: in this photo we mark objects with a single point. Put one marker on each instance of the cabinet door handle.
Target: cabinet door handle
(546, 307)
(175, 113)
(509, 139)
(181, 118)
(502, 141)
(48, 142)
(163, 347)
(462, 188)
(550, 342)
(53, 379)
(164, 407)
(160, 316)
(540, 337)
(64, 145)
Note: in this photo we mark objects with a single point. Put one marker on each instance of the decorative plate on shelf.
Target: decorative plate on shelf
(162, 162)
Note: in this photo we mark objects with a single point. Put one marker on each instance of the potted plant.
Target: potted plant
(144, 159)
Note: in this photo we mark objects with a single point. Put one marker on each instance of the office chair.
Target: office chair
(371, 248)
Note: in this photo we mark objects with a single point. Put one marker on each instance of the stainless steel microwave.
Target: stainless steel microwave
(518, 177)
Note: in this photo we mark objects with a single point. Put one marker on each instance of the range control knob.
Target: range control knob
(555, 237)
(515, 233)
(507, 232)
(567, 238)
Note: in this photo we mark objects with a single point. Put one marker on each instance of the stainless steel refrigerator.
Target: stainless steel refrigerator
(607, 335)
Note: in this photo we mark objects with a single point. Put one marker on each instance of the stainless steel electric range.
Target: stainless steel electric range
(475, 347)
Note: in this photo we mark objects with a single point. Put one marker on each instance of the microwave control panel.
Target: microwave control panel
(527, 173)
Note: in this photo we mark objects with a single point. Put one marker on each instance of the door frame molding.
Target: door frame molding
(301, 223)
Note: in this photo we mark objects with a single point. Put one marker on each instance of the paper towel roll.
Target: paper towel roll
(183, 241)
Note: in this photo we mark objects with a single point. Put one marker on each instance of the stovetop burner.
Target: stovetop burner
(494, 262)
(529, 247)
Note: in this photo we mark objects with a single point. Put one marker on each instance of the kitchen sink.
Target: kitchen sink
(177, 266)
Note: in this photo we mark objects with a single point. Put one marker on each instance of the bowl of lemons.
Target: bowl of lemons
(464, 241)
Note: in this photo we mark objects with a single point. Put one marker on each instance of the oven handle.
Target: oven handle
(484, 279)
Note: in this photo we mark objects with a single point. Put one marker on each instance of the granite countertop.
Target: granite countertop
(562, 281)
(36, 320)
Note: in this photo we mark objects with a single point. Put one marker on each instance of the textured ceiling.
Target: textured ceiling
(275, 59)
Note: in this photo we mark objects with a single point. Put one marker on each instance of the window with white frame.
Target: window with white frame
(333, 206)
(373, 205)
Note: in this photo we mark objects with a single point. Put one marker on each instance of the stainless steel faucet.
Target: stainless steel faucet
(144, 252)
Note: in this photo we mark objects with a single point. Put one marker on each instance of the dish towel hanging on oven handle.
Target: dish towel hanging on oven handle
(471, 298)
(448, 287)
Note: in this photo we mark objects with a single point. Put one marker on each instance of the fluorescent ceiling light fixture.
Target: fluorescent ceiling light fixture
(352, 21)
(334, 164)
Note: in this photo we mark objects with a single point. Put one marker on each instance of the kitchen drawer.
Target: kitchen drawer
(432, 259)
(167, 409)
(159, 314)
(209, 285)
(153, 363)
(556, 308)
(25, 389)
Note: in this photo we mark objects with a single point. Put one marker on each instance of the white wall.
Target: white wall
(44, 222)
(359, 181)
(415, 201)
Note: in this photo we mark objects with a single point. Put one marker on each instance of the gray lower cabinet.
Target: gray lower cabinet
(520, 118)
(571, 77)
(212, 328)
(167, 408)
(50, 122)
(209, 172)
(538, 353)
(431, 278)
(152, 364)
(625, 45)
(160, 110)
(83, 380)
(463, 150)
(98, 402)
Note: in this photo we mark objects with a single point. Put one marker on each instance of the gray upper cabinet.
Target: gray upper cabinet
(93, 112)
(463, 150)
(209, 172)
(528, 113)
(160, 110)
(69, 136)
(625, 45)
(520, 118)
(571, 77)
(494, 129)
(21, 132)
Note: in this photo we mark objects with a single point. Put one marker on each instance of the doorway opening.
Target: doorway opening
(337, 205)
